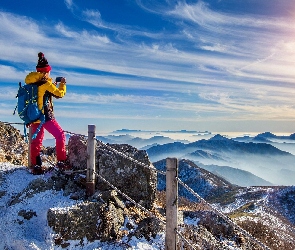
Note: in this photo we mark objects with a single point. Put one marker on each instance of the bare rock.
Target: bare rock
(93, 220)
(13, 147)
(112, 219)
(77, 152)
(148, 228)
(111, 195)
(116, 163)
(136, 181)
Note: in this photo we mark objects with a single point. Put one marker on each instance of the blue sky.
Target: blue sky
(218, 65)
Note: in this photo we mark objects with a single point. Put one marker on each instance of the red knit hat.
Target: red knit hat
(42, 65)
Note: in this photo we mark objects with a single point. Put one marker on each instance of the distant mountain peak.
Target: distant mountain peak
(218, 137)
(267, 135)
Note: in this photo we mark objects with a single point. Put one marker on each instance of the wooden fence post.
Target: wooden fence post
(90, 175)
(171, 203)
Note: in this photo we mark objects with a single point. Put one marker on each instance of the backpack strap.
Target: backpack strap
(25, 133)
(39, 128)
(42, 121)
(20, 84)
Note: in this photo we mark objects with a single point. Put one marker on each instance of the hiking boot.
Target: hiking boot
(37, 170)
(63, 165)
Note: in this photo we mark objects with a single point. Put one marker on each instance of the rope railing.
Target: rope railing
(226, 218)
(72, 133)
(12, 123)
(130, 158)
(129, 199)
(121, 154)
(185, 240)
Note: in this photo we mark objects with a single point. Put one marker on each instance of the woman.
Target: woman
(46, 90)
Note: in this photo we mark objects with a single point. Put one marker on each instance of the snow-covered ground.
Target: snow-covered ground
(18, 233)
(23, 214)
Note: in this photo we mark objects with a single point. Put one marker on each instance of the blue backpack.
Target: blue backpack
(27, 106)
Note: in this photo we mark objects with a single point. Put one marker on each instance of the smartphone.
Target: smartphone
(59, 78)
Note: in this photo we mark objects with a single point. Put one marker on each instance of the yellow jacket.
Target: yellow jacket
(34, 77)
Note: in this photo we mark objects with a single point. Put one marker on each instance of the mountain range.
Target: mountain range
(265, 159)
(268, 164)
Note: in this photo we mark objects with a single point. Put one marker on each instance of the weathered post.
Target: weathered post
(90, 175)
(29, 147)
(171, 203)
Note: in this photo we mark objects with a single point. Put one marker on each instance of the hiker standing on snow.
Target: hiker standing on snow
(46, 90)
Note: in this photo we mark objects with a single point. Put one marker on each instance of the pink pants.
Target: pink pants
(55, 129)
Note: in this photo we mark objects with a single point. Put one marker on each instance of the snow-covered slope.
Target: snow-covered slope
(265, 212)
(23, 213)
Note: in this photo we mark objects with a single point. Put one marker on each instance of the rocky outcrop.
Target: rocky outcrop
(102, 219)
(102, 216)
(93, 220)
(13, 147)
(136, 181)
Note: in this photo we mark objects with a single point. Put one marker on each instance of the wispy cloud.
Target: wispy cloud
(69, 4)
(83, 36)
(211, 63)
(11, 73)
(201, 14)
